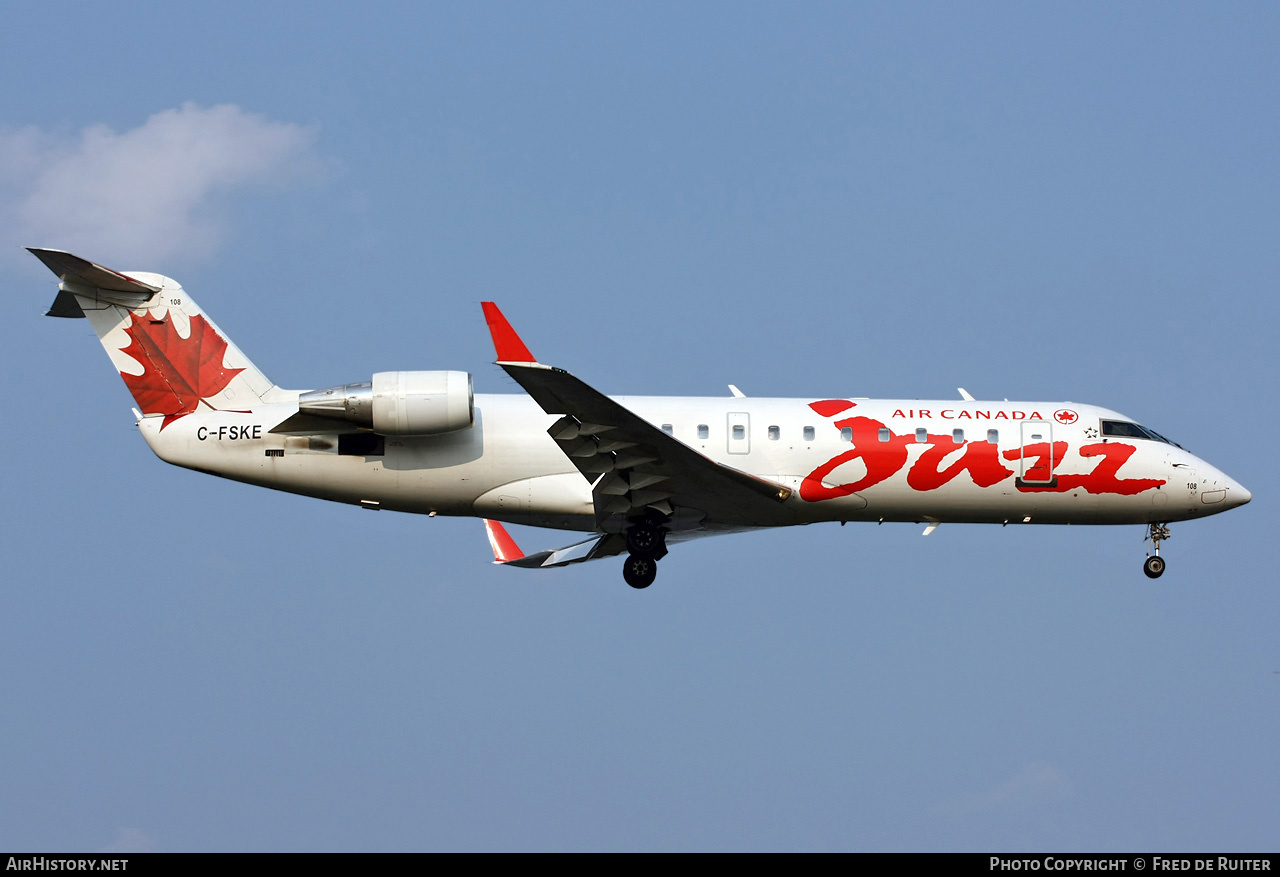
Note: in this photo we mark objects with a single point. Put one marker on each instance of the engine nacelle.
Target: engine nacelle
(399, 403)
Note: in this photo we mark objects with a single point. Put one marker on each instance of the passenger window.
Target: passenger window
(922, 434)
(846, 433)
(703, 432)
(993, 436)
(666, 427)
(739, 432)
(884, 433)
(808, 433)
(957, 436)
(774, 433)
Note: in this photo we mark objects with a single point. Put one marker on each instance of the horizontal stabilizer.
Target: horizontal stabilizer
(80, 276)
(73, 269)
(65, 305)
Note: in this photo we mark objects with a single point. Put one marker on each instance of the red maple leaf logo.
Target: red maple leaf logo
(177, 372)
(1065, 415)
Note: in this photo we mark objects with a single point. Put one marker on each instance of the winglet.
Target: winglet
(505, 548)
(506, 342)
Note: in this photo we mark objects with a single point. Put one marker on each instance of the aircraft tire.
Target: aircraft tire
(645, 540)
(639, 572)
(1153, 566)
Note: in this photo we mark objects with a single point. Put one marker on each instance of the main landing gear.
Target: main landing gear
(647, 543)
(638, 571)
(1153, 566)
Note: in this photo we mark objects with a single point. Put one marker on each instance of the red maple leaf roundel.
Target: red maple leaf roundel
(1065, 415)
(177, 372)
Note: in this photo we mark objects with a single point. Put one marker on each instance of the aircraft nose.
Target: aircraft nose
(1219, 491)
(1237, 494)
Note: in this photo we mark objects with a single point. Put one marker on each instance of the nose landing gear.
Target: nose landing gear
(647, 543)
(1154, 565)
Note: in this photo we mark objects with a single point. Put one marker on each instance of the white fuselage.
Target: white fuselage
(844, 460)
(568, 457)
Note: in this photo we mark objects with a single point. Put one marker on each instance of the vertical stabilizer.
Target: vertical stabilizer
(173, 358)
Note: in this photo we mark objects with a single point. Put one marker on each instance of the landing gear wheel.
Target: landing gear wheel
(1153, 566)
(646, 540)
(639, 571)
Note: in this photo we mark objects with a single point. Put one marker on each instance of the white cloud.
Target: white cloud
(1036, 784)
(141, 196)
(130, 840)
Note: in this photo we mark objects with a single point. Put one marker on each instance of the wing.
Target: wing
(507, 553)
(635, 468)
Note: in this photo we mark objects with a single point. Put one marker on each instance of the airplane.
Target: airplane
(636, 474)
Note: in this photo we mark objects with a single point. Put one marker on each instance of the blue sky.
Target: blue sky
(821, 200)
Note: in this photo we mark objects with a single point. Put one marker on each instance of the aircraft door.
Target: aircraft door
(739, 432)
(1037, 466)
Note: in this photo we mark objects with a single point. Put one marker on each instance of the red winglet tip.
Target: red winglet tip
(505, 548)
(506, 342)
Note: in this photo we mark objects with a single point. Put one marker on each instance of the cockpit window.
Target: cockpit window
(1123, 429)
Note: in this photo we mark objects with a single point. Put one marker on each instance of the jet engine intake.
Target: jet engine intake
(399, 403)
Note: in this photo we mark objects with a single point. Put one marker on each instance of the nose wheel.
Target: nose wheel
(1153, 566)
